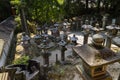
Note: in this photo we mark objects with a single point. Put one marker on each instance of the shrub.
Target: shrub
(21, 60)
(18, 28)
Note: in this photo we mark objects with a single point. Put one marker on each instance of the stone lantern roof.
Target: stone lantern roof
(113, 26)
(96, 57)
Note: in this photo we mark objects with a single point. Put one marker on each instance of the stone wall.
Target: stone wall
(7, 28)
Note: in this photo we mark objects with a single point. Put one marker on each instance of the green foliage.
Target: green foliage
(45, 10)
(31, 26)
(18, 3)
(62, 71)
(18, 21)
(59, 70)
(73, 8)
(15, 2)
(21, 60)
(61, 2)
(42, 11)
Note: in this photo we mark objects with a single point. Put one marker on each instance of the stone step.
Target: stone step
(4, 76)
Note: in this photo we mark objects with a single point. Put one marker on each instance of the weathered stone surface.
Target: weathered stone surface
(19, 49)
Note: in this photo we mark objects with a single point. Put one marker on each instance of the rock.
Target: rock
(19, 49)
(19, 35)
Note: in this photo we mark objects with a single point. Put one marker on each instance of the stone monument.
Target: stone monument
(86, 31)
(95, 58)
(112, 32)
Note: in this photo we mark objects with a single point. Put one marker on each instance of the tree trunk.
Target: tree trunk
(98, 6)
(106, 6)
(86, 4)
(23, 21)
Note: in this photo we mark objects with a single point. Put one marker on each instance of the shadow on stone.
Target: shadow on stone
(24, 72)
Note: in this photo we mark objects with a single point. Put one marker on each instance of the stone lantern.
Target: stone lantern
(86, 31)
(46, 55)
(62, 43)
(97, 29)
(112, 32)
(37, 38)
(95, 59)
(116, 41)
(104, 19)
(112, 29)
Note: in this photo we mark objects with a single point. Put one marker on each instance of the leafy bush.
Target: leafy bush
(18, 28)
(22, 60)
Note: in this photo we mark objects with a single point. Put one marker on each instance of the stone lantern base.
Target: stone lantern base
(85, 76)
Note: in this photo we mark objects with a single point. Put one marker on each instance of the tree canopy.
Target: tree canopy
(47, 10)
(42, 10)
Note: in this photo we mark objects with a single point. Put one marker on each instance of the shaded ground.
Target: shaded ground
(66, 72)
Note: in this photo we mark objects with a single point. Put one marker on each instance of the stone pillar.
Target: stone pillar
(86, 35)
(63, 49)
(119, 77)
(56, 58)
(19, 76)
(46, 58)
(62, 56)
(109, 41)
(73, 25)
(91, 21)
(11, 71)
(104, 21)
(65, 36)
(81, 23)
(77, 25)
(45, 72)
(113, 21)
(12, 74)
